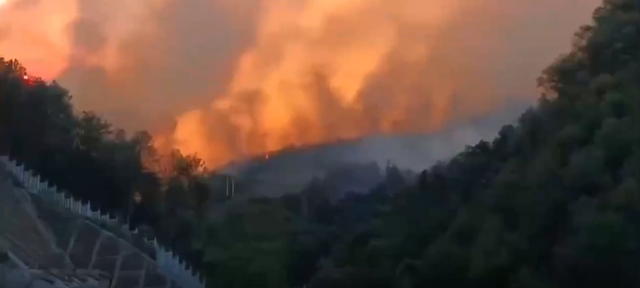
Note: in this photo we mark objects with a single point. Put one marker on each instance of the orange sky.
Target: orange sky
(226, 79)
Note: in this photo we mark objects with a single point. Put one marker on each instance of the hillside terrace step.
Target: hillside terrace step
(20, 202)
(84, 245)
(108, 255)
(21, 229)
(30, 241)
(62, 227)
(127, 281)
(23, 232)
(8, 260)
(24, 223)
(109, 247)
(105, 264)
(57, 260)
(23, 235)
(55, 278)
(132, 262)
(35, 258)
(81, 260)
(154, 278)
(21, 254)
(25, 248)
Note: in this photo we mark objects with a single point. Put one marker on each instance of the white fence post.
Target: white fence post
(20, 173)
(27, 179)
(112, 220)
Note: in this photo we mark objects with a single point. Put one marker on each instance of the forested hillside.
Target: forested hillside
(552, 201)
(84, 154)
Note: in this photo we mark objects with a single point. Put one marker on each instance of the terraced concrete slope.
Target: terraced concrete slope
(45, 234)
(90, 247)
(22, 233)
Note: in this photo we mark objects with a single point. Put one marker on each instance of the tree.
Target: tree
(553, 201)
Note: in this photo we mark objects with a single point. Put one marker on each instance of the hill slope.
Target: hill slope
(289, 170)
(22, 233)
(47, 237)
(552, 201)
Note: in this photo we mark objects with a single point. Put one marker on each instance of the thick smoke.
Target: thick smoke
(227, 79)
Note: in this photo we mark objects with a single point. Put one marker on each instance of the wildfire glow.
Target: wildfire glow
(313, 55)
(266, 74)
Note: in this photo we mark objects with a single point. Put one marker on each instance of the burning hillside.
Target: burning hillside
(227, 79)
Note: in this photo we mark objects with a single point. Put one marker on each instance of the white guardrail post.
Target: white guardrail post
(169, 263)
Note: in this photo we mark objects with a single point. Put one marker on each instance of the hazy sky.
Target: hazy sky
(230, 78)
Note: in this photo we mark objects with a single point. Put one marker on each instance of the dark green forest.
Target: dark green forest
(552, 201)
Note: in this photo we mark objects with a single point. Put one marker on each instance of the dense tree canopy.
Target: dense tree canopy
(85, 155)
(552, 201)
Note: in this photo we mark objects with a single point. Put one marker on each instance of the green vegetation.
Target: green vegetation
(552, 201)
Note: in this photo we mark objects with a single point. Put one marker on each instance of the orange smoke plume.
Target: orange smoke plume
(228, 79)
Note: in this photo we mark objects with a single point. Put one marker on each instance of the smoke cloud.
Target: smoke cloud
(228, 79)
